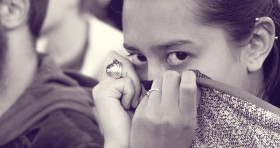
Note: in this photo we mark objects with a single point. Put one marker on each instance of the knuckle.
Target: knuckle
(171, 125)
(128, 68)
(151, 121)
(152, 116)
(128, 64)
(168, 122)
(177, 119)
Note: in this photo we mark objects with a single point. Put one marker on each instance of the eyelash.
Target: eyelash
(169, 59)
(180, 60)
(130, 55)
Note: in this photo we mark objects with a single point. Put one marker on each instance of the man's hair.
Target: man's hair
(37, 14)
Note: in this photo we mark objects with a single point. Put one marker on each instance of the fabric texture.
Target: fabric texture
(54, 112)
(228, 117)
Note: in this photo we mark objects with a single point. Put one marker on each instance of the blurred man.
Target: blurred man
(76, 39)
(40, 105)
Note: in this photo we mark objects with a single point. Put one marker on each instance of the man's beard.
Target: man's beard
(3, 56)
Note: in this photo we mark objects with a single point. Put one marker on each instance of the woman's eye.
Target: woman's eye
(137, 59)
(176, 58)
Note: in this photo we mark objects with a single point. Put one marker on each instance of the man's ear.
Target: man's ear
(261, 43)
(14, 13)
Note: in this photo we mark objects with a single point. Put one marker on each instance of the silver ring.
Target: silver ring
(148, 93)
(114, 69)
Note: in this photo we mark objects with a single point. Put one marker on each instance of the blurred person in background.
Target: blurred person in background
(76, 39)
(41, 107)
(108, 11)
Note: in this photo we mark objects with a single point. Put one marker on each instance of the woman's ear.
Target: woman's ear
(14, 13)
(261, 43)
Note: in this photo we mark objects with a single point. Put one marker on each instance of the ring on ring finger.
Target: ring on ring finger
(148, 93)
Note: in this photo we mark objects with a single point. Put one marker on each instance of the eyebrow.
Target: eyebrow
(172, 44)
(164, 46)
(128, 47)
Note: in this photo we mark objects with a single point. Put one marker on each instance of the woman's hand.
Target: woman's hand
(113, 98)
(167, 118)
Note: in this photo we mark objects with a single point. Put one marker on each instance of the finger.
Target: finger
(143, 99)
(107, 96)
(128, 70)
(121, 90)
(128, 91)
(188, 93)
(170, 89)
(154, 99)
(142, 104)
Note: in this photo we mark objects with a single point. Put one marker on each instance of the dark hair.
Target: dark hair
(37, 14)
(238, 18)
(110, 14)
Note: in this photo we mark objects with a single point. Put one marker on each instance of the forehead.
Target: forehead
(167, 11)
(150, 18)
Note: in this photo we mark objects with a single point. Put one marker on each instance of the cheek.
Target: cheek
(225, 71)
(216, 66)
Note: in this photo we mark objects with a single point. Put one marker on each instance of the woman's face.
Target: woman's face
(163, 35)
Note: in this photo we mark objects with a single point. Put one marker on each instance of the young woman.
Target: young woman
(233, 42)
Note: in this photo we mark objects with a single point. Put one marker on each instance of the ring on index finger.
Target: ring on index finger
(114, 70)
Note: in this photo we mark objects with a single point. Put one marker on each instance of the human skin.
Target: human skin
(162, 112)
(64, 23)
(19, 51)
(58, 11)
(165, 39)
(172, 27)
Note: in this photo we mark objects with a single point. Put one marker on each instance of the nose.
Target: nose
(155, 70)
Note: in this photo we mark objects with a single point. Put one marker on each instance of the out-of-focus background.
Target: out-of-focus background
(108, 11)
(79, 34)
